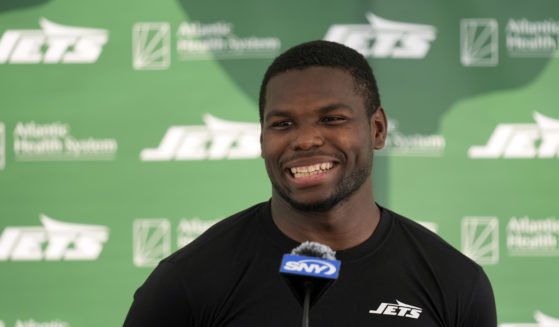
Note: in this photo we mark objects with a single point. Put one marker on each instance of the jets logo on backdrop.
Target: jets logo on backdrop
(151, 46)
(479, 42)
(540, 140)
(384, 38)
(542, 320)
(54, 241)
(218, 139)
(398, 309)
(54, 43)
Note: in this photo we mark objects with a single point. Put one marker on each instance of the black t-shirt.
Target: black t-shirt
(403, 275)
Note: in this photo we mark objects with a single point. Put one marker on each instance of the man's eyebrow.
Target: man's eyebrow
(323, 110)
(334, 106)
(276, 113)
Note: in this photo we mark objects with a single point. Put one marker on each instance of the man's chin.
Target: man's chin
(314, 207)
(322, 205)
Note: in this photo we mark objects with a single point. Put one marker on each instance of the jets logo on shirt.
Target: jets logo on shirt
(399, 309)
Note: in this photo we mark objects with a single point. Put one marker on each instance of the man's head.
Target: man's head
(326, 54)
(319, 128)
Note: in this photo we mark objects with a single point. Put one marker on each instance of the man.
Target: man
(321, 121)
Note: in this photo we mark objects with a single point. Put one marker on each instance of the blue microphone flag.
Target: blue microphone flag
(310, 266)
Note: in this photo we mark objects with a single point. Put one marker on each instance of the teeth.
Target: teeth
(311, 170)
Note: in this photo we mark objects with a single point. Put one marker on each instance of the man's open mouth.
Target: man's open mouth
(303, 171)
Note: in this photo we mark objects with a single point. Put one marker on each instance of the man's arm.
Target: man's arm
(481, 311)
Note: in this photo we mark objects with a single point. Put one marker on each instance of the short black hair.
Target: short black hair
(326, 54)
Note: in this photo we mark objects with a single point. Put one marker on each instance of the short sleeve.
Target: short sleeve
(481, 311)
(160, 301)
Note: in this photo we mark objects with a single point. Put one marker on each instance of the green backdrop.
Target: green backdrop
(128, 128)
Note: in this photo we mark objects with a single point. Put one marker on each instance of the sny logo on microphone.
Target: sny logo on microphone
(310, 266)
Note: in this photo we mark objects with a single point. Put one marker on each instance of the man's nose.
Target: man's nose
(307, 137)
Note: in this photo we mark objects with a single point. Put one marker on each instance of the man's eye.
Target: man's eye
(333, 119)
(282, 124)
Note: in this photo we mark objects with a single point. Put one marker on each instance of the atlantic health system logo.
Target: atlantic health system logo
(523, 38)
(480, 239)
(479, 42)
(533, 236)
(383, 38)
(527, 38)
(30, 322)
(52, 44)
(218, 40)
(399, 143)
(151, 43)
(525, 236)
(151, 46)
(54, 142)
(152, 237)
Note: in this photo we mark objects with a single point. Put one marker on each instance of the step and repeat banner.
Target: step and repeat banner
(128, 128)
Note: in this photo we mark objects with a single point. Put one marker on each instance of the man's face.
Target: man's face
(317, 141)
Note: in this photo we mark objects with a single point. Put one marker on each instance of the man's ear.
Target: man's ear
(379, 124)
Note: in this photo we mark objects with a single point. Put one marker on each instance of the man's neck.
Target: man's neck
(347, 225)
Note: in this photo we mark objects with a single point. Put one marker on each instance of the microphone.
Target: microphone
(309, 271)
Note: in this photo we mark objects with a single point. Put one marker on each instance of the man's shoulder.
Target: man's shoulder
(225, 250)
(430, 245)
(462, 282)
(228, 233)
(416, 228)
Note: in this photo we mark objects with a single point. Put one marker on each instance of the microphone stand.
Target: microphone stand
(306, 303)
(304, 272)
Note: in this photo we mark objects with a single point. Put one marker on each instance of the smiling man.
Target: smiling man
(321, 121)
(317, 141)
